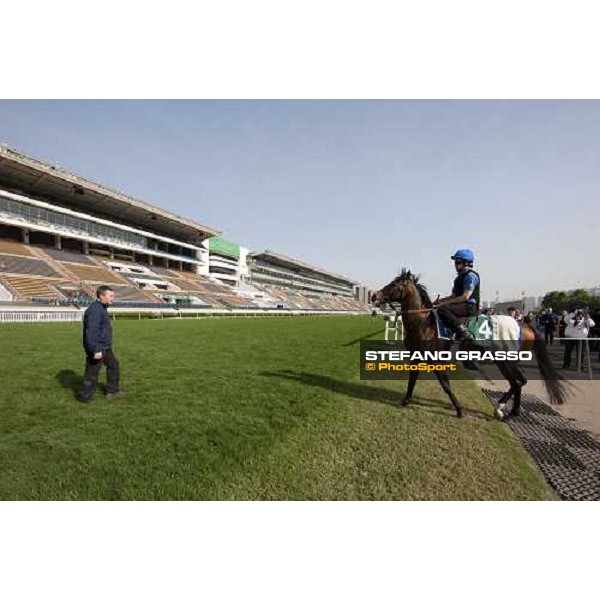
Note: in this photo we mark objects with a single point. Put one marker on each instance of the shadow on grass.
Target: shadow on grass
(73, 381)
(364, 337)
(353, 390)
(69, 380)
(370, 393)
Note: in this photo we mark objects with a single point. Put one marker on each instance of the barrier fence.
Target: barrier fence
(73, 316)
(39, 316)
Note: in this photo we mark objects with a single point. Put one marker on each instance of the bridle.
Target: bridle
(399, 310)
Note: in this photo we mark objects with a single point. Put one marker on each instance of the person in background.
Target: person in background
(539, 321)
(562, 325)
(550, 321)
(97, 343)
(577, 329)
(515, 313)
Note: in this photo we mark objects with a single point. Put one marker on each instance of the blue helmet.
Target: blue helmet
(464, 254)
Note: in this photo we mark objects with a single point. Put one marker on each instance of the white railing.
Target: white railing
(74, 316)
(40, 316)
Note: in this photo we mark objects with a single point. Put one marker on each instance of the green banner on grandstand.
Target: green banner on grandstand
(218, 244)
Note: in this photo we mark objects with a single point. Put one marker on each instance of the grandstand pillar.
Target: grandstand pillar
(151, 260)
(58, 242)
(166, 263)
(86, 247)
(112, 254)
(25, 235)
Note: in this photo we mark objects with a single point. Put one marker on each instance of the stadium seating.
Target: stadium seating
(5, 295)
(95, 274)
(127, 293)
(32, 287)
(50, 275)
(68, 257)
(11, 247)
(25, 266)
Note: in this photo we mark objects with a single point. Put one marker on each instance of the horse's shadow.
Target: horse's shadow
(368, 392)
(364, 337)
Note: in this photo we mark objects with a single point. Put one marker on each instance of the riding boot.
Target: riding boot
(463, 334)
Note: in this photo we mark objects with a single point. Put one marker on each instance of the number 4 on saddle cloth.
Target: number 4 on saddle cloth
(484, 328)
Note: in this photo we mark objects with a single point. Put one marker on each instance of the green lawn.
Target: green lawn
(241, 409)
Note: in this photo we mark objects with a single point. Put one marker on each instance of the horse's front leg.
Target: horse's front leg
(412, 381)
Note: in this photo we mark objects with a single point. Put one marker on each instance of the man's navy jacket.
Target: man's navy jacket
(97, 332)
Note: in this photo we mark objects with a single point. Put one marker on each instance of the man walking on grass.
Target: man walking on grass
(97, 343)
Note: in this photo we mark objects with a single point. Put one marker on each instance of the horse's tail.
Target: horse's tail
(555, 383)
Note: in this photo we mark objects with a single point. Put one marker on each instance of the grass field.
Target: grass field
(241, 409)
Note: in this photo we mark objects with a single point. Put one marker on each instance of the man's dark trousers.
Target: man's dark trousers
(570, 345)
(452, 313)
(92, 370)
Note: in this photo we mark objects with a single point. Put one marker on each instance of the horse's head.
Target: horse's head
(397, 290)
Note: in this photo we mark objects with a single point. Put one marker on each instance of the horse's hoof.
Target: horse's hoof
(405, 401)
(499, 414)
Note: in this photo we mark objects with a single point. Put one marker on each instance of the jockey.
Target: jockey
(464, 301)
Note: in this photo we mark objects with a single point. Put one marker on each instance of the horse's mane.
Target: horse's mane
(421, 288)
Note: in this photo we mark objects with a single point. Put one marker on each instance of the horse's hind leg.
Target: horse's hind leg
(445, 383)
(412, 381)
(516, 380)
(521, 380)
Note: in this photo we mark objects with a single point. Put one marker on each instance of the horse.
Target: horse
(420, 328)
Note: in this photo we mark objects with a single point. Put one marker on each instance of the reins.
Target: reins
(413, 310)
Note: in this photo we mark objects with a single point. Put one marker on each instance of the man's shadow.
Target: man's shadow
(369, 393)
(72, 381)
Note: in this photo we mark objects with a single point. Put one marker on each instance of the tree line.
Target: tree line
(560, 301)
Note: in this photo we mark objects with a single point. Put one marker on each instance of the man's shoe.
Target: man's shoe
(85, 400)
(114, 395)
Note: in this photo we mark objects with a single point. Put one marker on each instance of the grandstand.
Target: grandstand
(295, 284)
(62, 235)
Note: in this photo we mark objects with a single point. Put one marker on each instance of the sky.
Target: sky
(362, 188)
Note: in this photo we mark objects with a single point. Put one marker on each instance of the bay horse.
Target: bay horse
(416, 308)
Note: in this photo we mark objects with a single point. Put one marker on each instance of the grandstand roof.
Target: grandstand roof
(292, 262)
(34, 176)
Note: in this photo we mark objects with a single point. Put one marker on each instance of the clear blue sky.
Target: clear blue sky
(362, 187)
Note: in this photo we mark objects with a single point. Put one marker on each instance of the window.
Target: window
(68, 223)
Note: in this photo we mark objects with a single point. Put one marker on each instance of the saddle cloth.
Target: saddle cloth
(484, 328)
